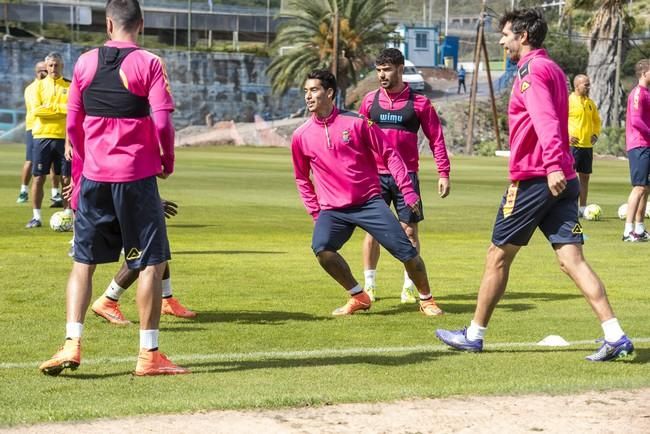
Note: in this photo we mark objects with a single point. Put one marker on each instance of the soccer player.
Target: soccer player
(119, 122)
(40, 71)
(637, 139)
(544, 190)
(337, 149)
(400, 113)
(49, 131)
(584, 128)
(107, 305)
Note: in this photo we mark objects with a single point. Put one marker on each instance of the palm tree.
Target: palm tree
(308, 40)
(603, 37)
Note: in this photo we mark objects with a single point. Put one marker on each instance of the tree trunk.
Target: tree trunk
(602, 60)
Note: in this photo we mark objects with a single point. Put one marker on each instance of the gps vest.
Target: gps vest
(106, 96)
(402, 119)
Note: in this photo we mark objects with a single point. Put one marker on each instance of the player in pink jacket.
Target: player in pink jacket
(336, 175)
(544, 190)
(637, 139)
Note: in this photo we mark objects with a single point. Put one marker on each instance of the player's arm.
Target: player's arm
(574, 125)
(596, 123)
(301, 170)
(432, 129)
(165, 129)
(373, 135)
(538, 99)
(636, 118)
(162, 106)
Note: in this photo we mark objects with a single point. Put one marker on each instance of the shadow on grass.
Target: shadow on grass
(190, 328)
(532, 296)
(379, 360)
(228, 252)
(255, 317)
(641, 355)
(189, 225)
(81, 376)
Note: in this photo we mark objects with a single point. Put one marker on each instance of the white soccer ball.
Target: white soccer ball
(622, 211)
(592, 212)
(61, 221)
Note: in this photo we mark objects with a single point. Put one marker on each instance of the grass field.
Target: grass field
(264, 336)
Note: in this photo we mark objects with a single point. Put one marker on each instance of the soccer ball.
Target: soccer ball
(61, 221)
(622, 211)
(592, 212)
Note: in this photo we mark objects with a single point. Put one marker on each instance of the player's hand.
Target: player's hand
(556, 182)
(594, 139)
(163, 175)
(68, 152)
(67, 190)
(574, 140)
(416, 208)
(443, 187)
(169, 208)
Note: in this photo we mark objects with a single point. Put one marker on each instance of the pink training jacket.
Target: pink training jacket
(637, 125)
(122, 149)
(538, 117)
(406, 141)
(338, 152)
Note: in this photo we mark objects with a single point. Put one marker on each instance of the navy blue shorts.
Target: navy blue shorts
(392, 195)
(50, 152)
(529, 204)
(29, 145)
(334, 227)
(115, 215)
(584, 158)
(639, 159)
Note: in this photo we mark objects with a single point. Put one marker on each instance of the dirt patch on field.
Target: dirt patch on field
(593, 412)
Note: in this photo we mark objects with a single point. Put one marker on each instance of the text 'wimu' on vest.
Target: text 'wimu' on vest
(402, 119)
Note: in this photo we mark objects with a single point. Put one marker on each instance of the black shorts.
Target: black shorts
(335, 226)
(29, 145)
(584, 158)
(391, 194)
(639, 160)
(115, 215)
(50, 152)
(529, 204)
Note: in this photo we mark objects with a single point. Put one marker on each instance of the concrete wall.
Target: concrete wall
(229, 86)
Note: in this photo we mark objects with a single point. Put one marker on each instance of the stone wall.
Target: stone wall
(229, 86)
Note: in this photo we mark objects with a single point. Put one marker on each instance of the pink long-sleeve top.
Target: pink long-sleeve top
(334, 163)
(407, 141)
(123, 149)
(637, 124)
(538, 119)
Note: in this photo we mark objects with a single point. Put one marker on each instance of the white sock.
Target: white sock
(55, 191)
(639, 228)
(37, 214)
(356, 290)
(407, 281)
(68, 212)
(167, 287)
(475, 331)
(612, 330)
(114, 291)
(629, 227)
(73, 330)
(370, 278)
(581, 210)
(426, 297)
(23, 188)
(149, 339)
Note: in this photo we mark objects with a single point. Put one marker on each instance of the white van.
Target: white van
(413, 77)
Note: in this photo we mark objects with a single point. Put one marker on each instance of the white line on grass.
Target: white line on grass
(342, 352)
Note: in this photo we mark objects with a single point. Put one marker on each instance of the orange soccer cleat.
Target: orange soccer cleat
(360, 301)
(156, 363)
(430, 308)
(109, 310)
(68, 356)
(171, 306)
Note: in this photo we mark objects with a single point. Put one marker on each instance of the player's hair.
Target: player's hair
(125, 13)
(390, 56)
(327, 79)
(641, 66)
(54, 55)
(527, 20)
(578, 78)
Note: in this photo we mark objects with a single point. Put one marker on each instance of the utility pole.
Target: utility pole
(495, 118)
(335, 41)
(469, 147)
(617, 79)
(210, 31)
(189, 24)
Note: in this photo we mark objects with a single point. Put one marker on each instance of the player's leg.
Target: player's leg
(409, 289)
(107, 306)
(639, 161)
(331, 231)
(26, 172)
(57, 180)
(170, 304)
